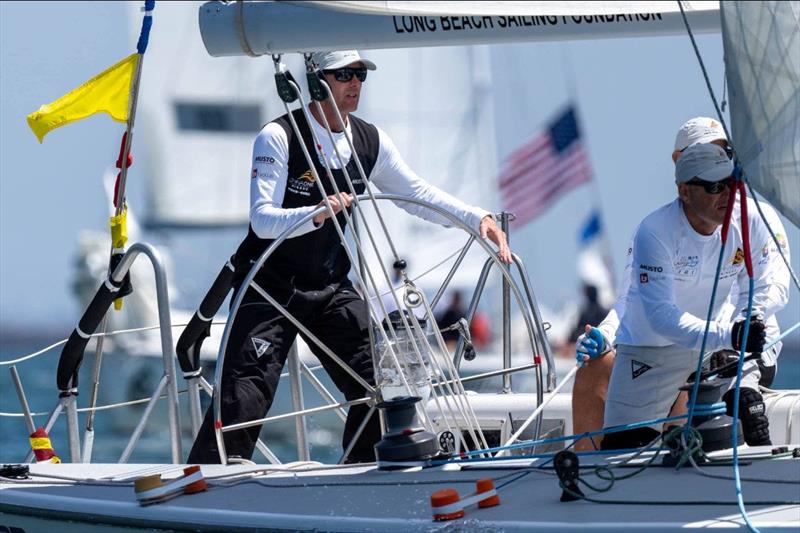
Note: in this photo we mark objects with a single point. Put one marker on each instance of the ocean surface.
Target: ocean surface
(124, 379)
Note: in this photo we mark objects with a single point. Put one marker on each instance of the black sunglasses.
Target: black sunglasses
(712, 187)
(346, 74)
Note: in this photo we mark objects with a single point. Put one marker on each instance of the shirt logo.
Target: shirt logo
(302, 184)
(651, 268)
(265, 159)
(254, 174)
(260, 345)
(738, 259)
(638, 368)
(643, 278)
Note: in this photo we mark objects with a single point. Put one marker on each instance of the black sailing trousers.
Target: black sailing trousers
(257, 348)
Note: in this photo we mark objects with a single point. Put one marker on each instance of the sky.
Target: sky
(632, 95)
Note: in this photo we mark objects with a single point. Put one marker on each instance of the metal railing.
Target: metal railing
(296, 367)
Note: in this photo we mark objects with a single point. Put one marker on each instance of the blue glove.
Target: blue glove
(591, 343)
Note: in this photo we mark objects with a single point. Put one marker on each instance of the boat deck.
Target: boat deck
(361, 498)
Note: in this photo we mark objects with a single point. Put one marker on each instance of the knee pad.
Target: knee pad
(753, 414)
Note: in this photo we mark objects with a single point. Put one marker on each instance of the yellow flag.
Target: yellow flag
(109, 91)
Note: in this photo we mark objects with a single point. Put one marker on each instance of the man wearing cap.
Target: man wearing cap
(308, 273)
(657, 322)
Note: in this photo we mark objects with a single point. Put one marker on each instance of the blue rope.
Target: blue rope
(605, 431)
(547, 455)
(739, 372)
(699, 369)
(710, 409)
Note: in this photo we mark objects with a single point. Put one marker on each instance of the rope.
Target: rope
(576, 437)
(730, 143)
(606, 473)
(772, 234)
(106, 334)
(96, 408)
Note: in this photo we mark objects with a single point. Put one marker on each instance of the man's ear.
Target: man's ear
(675, 155)
(683, 191)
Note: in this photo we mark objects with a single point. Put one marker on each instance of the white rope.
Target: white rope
(94, 335)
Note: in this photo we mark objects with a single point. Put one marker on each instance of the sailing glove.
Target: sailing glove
(756, 337)
(592, 344)
(752, 413)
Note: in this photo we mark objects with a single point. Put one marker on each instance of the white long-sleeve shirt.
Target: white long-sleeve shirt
(390, 175)
(666, 287)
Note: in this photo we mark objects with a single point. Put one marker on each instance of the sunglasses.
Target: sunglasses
(712, 187)
(346, 74)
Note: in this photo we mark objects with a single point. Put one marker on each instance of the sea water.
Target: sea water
(113, 428)
(133, 378)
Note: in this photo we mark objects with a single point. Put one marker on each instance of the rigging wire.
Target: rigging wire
(745, 236)
(730, 140)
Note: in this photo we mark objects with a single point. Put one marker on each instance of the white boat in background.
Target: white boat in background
(507, 438)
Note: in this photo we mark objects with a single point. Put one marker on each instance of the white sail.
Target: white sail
(762, 57)
(445, 133)
(197, 117)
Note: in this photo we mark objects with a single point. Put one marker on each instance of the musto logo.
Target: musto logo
(651, 268)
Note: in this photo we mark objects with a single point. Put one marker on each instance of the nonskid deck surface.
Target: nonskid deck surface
(361, 498)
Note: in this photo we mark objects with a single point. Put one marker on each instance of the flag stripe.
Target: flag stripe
(522, 154)
(552, 163)
(527, 213)
(531, 205)
(547, 172)
(520, 169)
(576, 177)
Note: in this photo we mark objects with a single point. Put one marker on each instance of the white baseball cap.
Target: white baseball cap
(332, 60)
(708, 162)
(698, 130)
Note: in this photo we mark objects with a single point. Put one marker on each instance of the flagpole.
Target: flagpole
(141, 48)
(118, 248)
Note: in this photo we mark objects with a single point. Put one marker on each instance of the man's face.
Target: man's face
(709, 208)
(345, 93)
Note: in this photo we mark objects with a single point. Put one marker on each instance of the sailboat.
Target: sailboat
(515, 486)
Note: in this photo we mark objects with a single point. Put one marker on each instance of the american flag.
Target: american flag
(541, 171)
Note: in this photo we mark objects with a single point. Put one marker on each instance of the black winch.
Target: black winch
(405, 439)
(710, 420)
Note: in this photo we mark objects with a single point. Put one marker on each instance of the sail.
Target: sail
(762, 58)
(445, 132)
(258, 28)
(197, 118)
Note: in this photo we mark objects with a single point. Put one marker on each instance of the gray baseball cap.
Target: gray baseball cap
(708, 162)
(332, 60)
